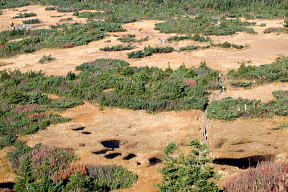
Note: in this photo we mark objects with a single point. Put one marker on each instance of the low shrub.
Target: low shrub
(276, 71)
(45, 59)
(227, 45)
(204, 25)
(229, 108)
(25, 15)
(267, 176)
(31, 21)
(130, 38)
(276, 30)
(241, 84)
(148, 51)
(187, 172)
(118, 48)
(50, 8)
(49, 169)
(189, 37)
(193, 47)
(66, 10)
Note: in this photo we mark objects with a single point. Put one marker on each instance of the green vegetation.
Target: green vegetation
(241, 84)
(193, 47)
(43, 168)
(276, 71)
(187, 172)
(66, 36)
(148, 51)
(229, 108)
(25, 15)
(66, 10)
(45, 59)
(227, 45)
(50, 8)
(31, 21)
(282, 126)
(130, 38)
(189, 37)
(118, 48)
(276, 30)
(204, 25)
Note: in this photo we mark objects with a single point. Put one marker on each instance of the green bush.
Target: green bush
(193, 47)
(25, 15)
(148, 51)
(31, 21)
(276, 71)
(130, 38)
(189, 37)
(241, 84)
(229, 108)
(118, 48)
(66, 36)
(227, 45)
(187, 172)
(50, 8)
(66, 10)
(45, 59)
(204, 25)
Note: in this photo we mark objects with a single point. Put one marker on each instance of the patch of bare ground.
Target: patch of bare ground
(263, 48)
(47, 18)
(6, 170)
(122, 132)
(261, 92)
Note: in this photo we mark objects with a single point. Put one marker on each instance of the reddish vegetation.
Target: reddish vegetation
(39, 115)
(263, 78)
(191, 83)
(267, 177)
(3, 46)
(68, 45)
(26, 108)
(71, 170)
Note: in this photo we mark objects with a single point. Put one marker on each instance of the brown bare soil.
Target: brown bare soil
(143, 134)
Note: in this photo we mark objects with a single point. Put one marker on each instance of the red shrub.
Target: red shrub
(266, 177)
(68, 45)
(71, 170)
(26, 108)
(191, 83)
(3, 46)
(39, 115)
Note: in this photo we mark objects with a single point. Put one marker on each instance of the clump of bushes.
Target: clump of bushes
(267, 176)
(31, 21)
(193, 47)
(66, 10)
(50, 169)
(45, 59)
(187, 172)
(227, 45)
(229, 108)
(89, 15)
(25, 15)
(50, 8)
(241, 84)
(196, 37)
(130, 38)
(68, 35)
(276, 71)
(118, 48)
(148, 51)
(204, 25)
